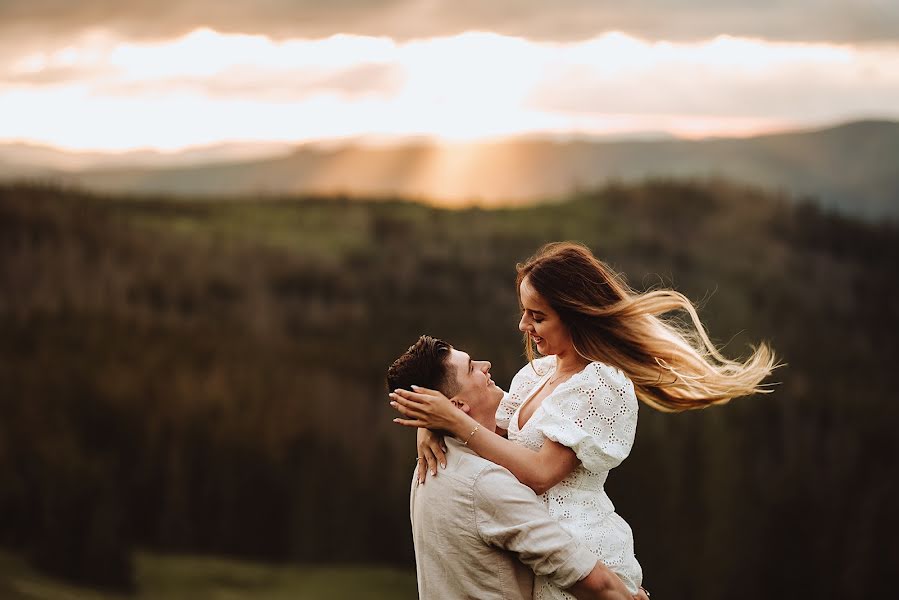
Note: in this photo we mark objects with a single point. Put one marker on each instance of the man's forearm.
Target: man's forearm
(600, 584)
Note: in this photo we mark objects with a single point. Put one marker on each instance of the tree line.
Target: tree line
(194, 375)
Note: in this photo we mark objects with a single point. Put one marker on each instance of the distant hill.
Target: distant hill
(34, 158)
(853, 168)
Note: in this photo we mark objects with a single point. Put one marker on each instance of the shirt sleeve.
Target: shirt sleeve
(511, 517)
(595, 415)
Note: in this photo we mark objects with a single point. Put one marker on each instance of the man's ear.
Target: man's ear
(461, 405)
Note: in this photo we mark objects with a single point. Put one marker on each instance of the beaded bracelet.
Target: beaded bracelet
(471, 435)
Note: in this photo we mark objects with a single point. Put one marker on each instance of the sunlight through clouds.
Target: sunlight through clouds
(97, 92)
(205, 52)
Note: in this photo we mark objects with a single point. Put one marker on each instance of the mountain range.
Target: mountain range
(851, 168)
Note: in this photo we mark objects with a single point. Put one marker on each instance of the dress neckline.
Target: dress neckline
(540, 383)
(516, 416)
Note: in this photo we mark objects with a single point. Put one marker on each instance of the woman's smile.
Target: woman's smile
(538, 315)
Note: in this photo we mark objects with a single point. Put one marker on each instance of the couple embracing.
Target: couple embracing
(518, 509)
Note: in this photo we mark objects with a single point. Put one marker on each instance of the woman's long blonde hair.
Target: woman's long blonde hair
(674, 367)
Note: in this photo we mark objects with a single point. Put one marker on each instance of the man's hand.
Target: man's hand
(602, 584)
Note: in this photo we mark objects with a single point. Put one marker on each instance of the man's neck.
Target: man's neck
(487, 422)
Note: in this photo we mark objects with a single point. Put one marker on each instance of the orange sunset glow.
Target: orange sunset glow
(98, 90)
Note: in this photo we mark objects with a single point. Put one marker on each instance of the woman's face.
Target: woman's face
(541, 322)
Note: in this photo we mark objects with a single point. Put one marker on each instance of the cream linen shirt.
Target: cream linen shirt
(481, 534)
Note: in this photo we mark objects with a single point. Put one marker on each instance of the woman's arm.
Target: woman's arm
(537, 470)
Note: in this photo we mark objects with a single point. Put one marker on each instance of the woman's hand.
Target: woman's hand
(431, 451)
(427, 408)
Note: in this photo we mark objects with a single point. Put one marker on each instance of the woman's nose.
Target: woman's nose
(522, 326)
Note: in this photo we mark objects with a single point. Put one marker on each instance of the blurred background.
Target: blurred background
(220, 223)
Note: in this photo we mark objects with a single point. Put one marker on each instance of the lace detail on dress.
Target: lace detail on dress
(595, 414)
(522, 385)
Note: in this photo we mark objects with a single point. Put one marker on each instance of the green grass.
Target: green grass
(197, 578)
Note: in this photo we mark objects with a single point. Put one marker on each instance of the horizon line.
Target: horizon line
(388, 140)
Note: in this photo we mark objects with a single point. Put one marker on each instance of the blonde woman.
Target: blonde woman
(570, 416)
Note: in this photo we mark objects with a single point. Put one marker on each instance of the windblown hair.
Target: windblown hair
(425, 364)
(673, 366)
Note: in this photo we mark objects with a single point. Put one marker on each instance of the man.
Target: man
(478, 532)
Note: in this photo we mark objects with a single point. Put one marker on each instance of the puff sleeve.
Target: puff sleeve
(594, 414)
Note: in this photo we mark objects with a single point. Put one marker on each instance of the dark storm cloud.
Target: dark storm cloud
(561, 20)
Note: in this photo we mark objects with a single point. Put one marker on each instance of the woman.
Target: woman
(570, 416)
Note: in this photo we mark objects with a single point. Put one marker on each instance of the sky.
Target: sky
(167, 75)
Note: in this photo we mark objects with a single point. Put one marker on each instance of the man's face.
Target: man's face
(475, 384)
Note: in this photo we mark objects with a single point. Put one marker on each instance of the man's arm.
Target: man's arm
(510, 516)
(601, 584)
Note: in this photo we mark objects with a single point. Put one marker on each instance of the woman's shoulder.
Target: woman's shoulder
(537, 368)
(544, 364)
(600, 375)
(595, 414)
(602, 372)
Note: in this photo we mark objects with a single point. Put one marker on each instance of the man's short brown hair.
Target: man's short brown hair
(425, 364)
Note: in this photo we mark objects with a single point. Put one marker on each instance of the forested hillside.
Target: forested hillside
(206, 376)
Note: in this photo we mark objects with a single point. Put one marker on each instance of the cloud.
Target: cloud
(208, 87)
(264, 85)
(723, 78)
(52, 76)
(838, 21)
(211, 64)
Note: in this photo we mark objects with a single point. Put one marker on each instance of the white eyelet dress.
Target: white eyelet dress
(595, 414)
